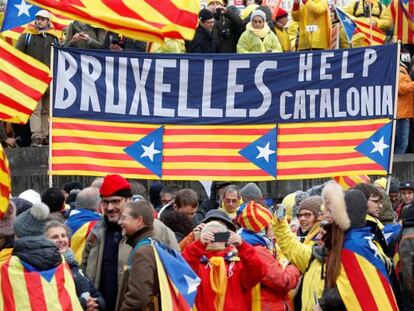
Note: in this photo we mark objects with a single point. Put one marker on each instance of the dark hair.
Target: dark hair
(369, 190)
(138, 188)
(178, 222)
(144, 209)
(186, 197)
(54, 199)
(171, 189)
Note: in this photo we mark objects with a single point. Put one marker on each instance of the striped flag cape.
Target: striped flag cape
(352, 26)
(347, 182)
(23, 81)
(402, 12)
(363, 281)
(146, 20)
(81, 222)
(24, 288)
(5, 182)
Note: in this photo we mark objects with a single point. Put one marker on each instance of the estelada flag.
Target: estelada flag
(145, 20)
(402, 12)
(347, 182)
(363, 281)
(5, 182)
(25, 288)
(23, 81)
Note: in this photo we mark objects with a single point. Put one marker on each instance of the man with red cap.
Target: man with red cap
(106, 253)
(281, 20)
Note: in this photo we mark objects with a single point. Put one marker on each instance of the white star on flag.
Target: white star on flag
(192, 284)
(23, 8)
(149, 151)
(379, 146)
(265, 152)
(372, 245)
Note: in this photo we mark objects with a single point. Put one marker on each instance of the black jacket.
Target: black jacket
(202, 42)
(227, 30)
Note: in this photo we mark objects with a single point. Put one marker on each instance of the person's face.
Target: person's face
(208, 24)
(231, 202)
(187, 210)
(59, 237)
(306, 220)
(406, 195)
(166, 198)
(214, 6)
(257, 22)
(374, 206)
(129, 224)
(394, 197)
(113, 207)
(41, 22)
(282, 21)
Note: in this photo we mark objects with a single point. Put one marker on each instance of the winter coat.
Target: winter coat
(306, 259)
(37, 44)
(406, 252)
(313, 12)
(275, 286)
(284, 40)
(202, 42)
(140, 285)
(405, 103)
(227, 31)
(242, 275)
(97, 36)
(251, 43)
(310, 237)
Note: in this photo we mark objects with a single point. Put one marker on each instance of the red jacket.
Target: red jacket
(275, 286)
(242, 276)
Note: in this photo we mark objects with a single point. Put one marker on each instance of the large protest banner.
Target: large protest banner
(223, 117)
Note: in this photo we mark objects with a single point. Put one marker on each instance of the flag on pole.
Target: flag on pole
(353, 26)
(347, 182)
(402, 12)
(23, 81)
(146, 20)
(5, 182)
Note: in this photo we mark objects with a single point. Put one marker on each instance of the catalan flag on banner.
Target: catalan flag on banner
(5, 182)
(240, 153)
(372, 35)
(24, 288)
(402, 12)
(23, 81)
(81, 222)
(347, 182)
(363, 282)
(178, 282)
(146, 20)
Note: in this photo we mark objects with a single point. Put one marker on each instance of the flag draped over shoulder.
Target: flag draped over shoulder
(5, 182)
(23, 81)
(146, 20)
(402, 12)
(363, 282)
(351, 25)
(178, 282)
(24, 288)
(81, 222)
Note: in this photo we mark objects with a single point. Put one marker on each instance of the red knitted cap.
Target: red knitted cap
(255, 217)
(115, 185)
(281, 13)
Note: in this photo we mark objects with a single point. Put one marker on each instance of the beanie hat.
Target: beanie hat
(259, 13)
(31, 222)
(6, 222)
(205, 15)
(31, 196)
(356, 207)
(251, 192)
(44, 13)
(73, 185)
(254, 217)
(115, 185)
(394, 187)
(217, 215)
(312, 204)
(289, 203)
(209, 1)
(381, 183)
(267, 11)
(21, 205)
(281, 13)
(407, 216)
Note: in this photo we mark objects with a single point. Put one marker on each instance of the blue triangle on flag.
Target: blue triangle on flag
(46, 274)
(347, 23)
(262, 152)
(377, 147)
(148, 151)
(18, 13)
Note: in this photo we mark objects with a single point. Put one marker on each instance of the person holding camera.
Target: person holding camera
(228, 27)
(228, 267)
(203, 38)
(84, 36)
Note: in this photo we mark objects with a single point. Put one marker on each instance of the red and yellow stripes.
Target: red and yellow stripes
(347, 182)
(147, 20)
(362, 286)
(5, 182)
(378, 35)
(313, 150)
(24, 290)
(403, 26)
(23, 81)
(78, 239)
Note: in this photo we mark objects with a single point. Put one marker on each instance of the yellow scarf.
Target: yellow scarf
(261, 33)
(218, 281)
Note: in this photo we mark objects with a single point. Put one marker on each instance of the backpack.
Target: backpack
(366, 14)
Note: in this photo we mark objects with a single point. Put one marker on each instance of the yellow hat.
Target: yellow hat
(382, 183)
(289, 202)
(210, 1)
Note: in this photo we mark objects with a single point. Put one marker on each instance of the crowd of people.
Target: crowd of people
(224, 28)
(248, 255)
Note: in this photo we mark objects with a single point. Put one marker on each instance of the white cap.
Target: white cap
(31, 196)
(44, 13)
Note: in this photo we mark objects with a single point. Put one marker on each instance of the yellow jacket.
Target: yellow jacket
(300, 255)
(313, 12)
(284, 39)
(169, 46)
(250, 43)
